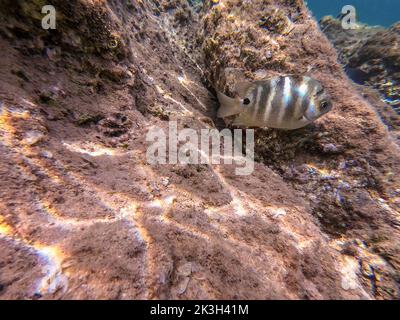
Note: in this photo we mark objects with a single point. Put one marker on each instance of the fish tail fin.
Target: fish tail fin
(228, 106)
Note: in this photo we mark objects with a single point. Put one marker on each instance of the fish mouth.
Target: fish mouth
(306, 118)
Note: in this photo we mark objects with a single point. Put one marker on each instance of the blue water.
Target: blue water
(372, 12)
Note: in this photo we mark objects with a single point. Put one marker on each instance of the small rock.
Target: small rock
(344, 186)
(339, 199)
(327, 177)
(162, 278)
(278, 212)
(331, 148)
(350, 249)
(37, 295)
(360, 243)
(349, 274)
(34, 137)
(352, 163)
(165, 181)
(46, 154)
(51, 94)
(67, 264)
(342, 165)
(154, 187)
(52, 53)
(349, 285)
(367, 270)
(183, 285)
(185, 269)
(57, 92)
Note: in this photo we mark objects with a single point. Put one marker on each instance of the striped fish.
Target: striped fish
(287, 102)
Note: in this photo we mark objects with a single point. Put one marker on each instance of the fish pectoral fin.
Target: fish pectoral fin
(228, 106)
(238, 123)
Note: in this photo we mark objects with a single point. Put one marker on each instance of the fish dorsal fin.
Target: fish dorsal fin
(242, 87)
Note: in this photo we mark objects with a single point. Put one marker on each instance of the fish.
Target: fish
(284, 102)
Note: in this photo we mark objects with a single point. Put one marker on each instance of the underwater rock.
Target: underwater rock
(371, 58)
(331, 148)
(34, 137)
(235, 49)
(347, 41)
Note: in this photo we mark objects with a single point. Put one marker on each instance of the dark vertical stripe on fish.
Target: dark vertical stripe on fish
(277, 101)
(291, 110)
(270, 97)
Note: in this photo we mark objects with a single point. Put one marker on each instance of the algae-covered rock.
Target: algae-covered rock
(345, 164)
(371, 58)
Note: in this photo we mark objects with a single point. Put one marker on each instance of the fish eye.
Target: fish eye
(324, 105)
(246, 101)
